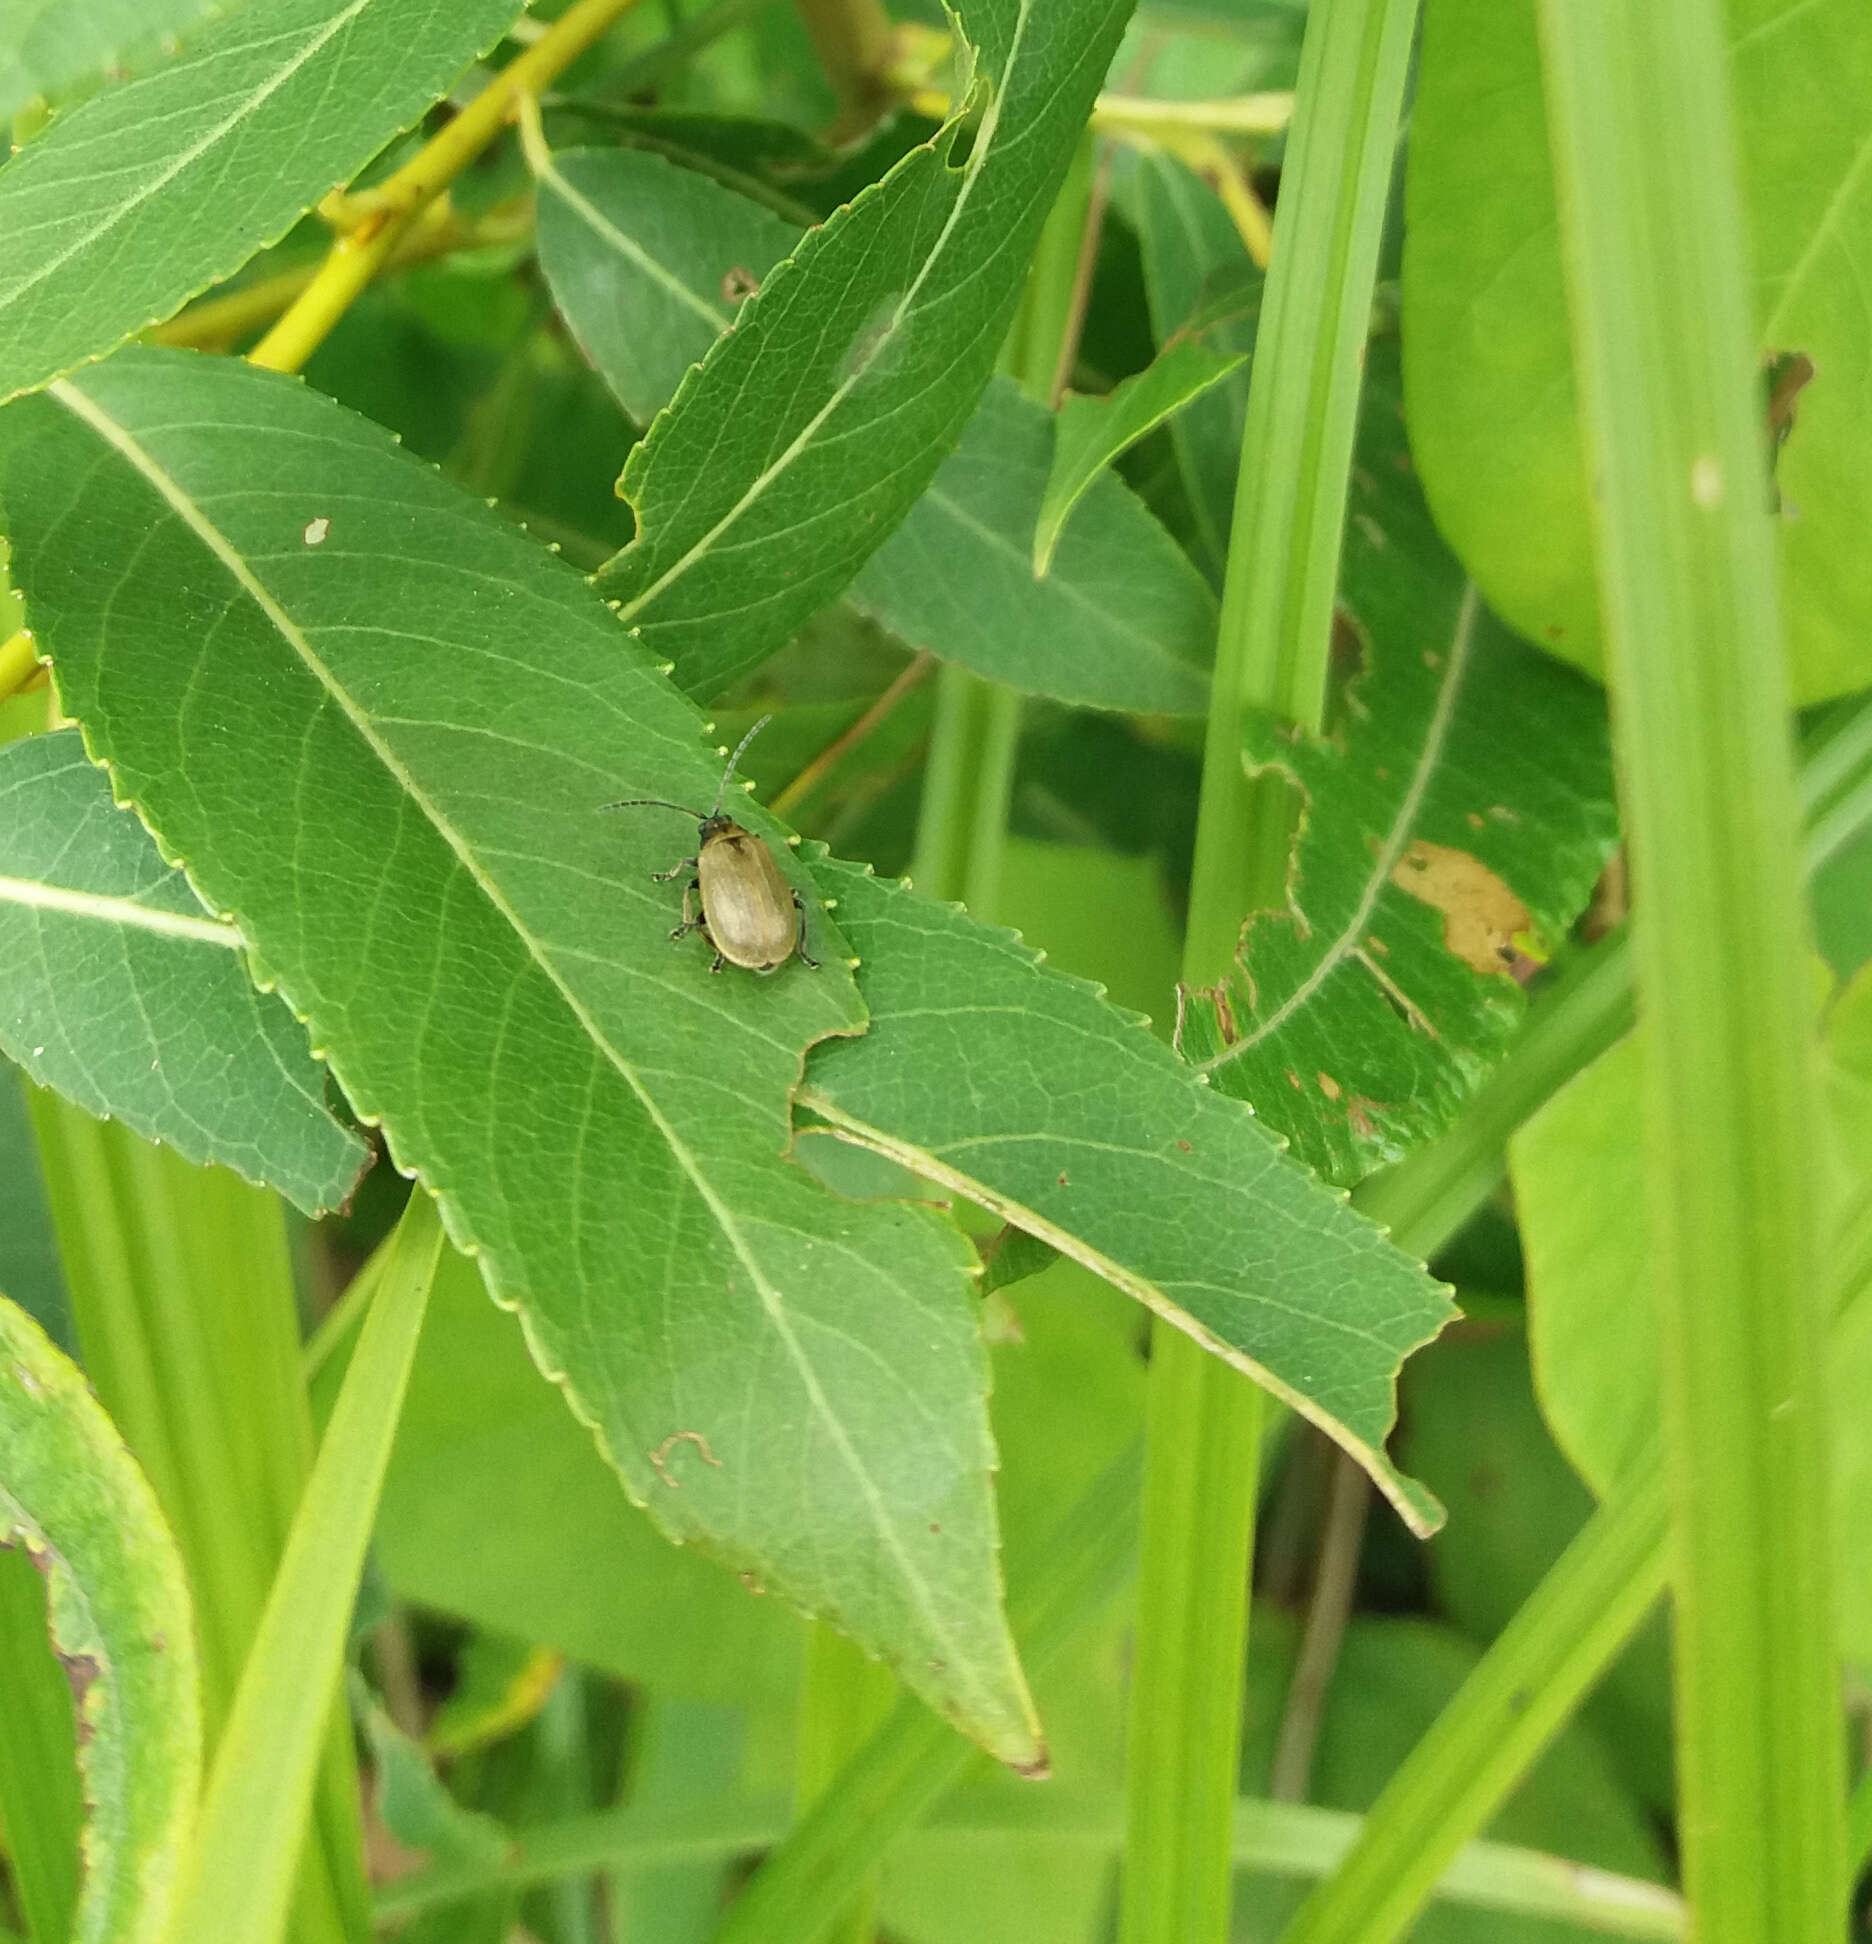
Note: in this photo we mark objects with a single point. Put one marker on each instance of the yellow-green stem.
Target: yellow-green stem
(387, 211)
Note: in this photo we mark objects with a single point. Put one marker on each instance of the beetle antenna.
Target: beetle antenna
(651, 803)
(740, 751)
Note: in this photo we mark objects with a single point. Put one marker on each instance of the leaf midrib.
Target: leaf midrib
(120, 913)
(70, 395)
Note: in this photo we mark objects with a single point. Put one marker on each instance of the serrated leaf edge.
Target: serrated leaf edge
(459, 1230)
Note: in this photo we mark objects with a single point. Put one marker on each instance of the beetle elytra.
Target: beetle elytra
(738, 900)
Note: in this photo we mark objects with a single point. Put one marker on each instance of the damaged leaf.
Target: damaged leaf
(117, 1607)
(1456, 817)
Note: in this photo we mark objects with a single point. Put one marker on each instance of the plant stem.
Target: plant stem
(41, 1807)
(19, 659)
(216, 322)
(389, 209)
(1348, 1500)
(1272, 651)
(1653, 244)
(854, 40)
(969, 778)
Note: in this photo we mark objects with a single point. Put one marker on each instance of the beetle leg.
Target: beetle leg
(719, 963)
(690, 923)
(675, 871)
(800, 948)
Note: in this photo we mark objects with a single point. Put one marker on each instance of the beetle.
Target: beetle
(743, 906)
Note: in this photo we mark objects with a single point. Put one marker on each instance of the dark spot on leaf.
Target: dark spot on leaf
(1185, 1146)
(738, 284)
(1062, 1179)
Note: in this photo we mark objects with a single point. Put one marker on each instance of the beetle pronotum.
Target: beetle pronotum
(743, 907)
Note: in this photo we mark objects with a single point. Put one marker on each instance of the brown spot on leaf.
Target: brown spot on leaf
(738, 284)
(1062, 1182)
(1481, 915)
(1329, 1086)
(1185, 1146)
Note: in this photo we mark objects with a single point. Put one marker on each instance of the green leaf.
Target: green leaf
(1090, 433)
(1591, 1305)
(407, 827)
(118, 1611)
(46, 45)
(1494, 414)
(1122, 622)
(118, 990)
(1063, 1116)
(649, 263)
(143, 195)
(808, 433)
(410, 1797)
(1456, 819)
(1192, 255)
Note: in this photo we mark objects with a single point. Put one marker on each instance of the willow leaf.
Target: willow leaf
(1070, 1120)
(145, 194)
(1493, 405)
(650, 264)
(119, 991)
(376, 725)
(807, 434)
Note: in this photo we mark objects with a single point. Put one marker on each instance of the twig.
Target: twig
(387, 212)
(842, 745)
(1325, 1628)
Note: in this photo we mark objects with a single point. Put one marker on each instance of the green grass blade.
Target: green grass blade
(240, 1867)
(40, 1807)
(1657, 274)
